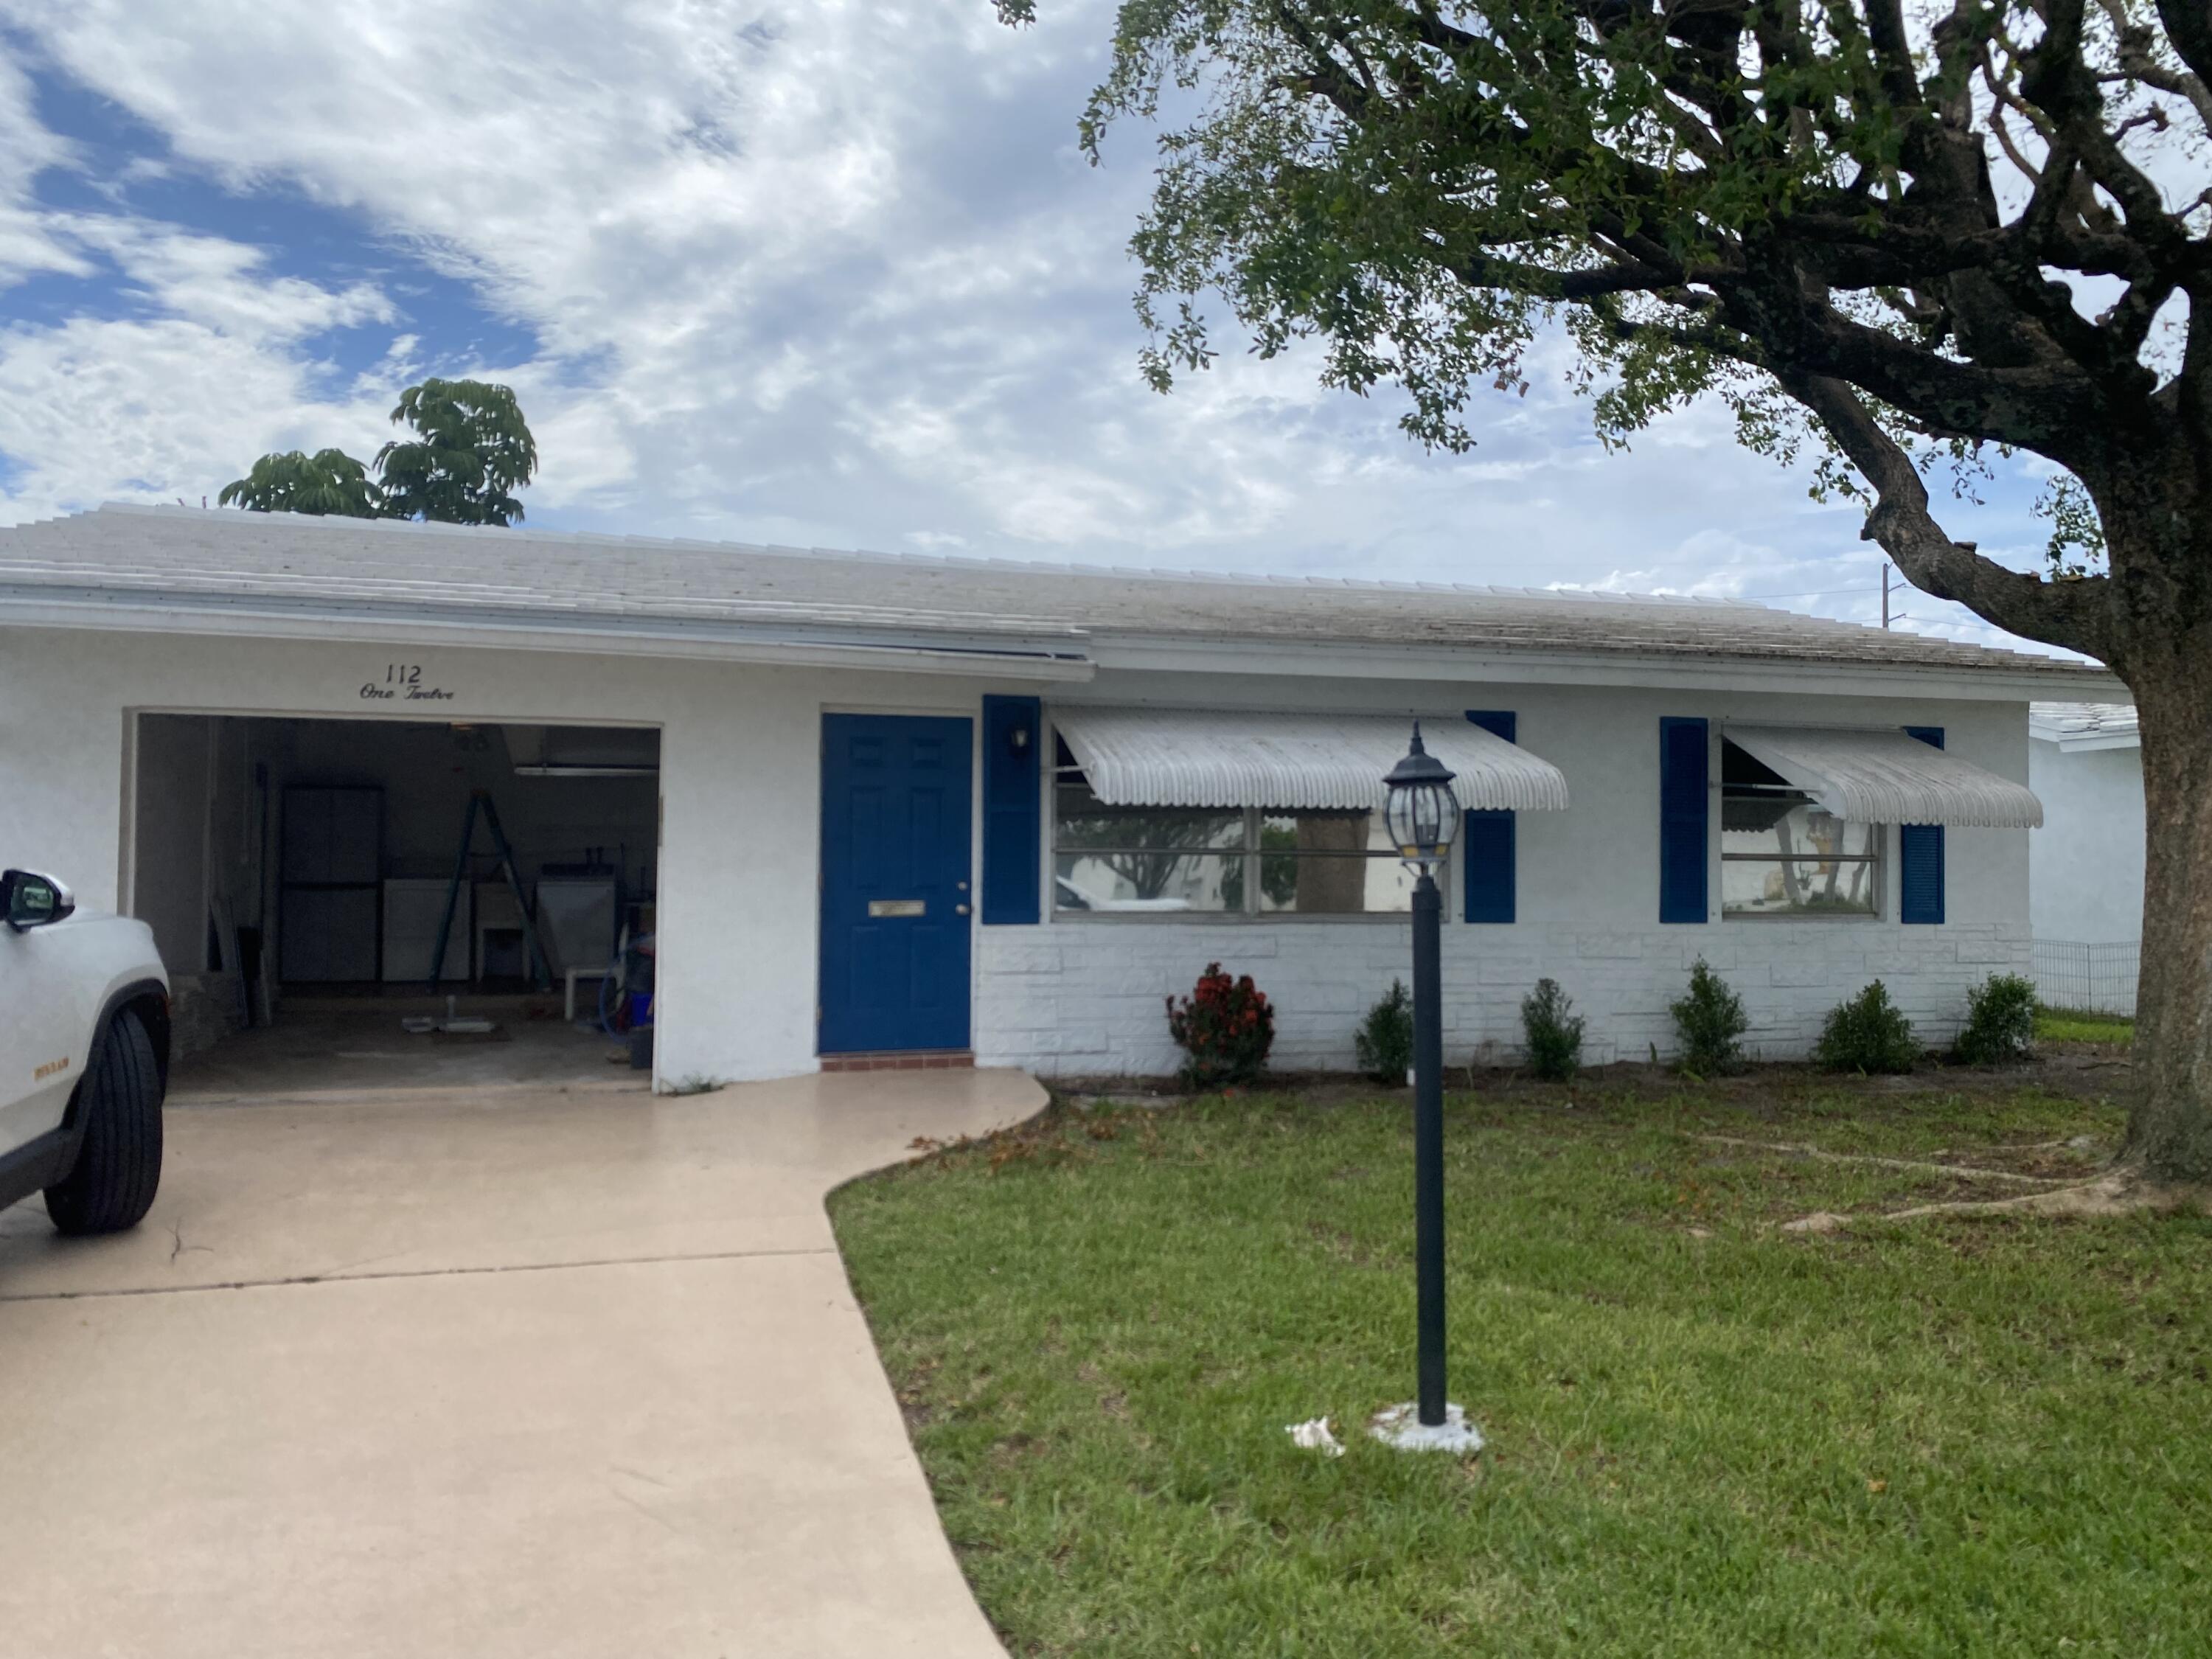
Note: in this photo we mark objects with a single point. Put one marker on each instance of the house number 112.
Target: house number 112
(403, 683)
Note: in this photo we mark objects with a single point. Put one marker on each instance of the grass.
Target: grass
(1708, 1437)
(2074, 1025)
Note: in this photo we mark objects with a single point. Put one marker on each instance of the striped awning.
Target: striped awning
(1889, 777)
(1218, 757)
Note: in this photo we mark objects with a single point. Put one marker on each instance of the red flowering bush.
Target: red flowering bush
(1225, 1028)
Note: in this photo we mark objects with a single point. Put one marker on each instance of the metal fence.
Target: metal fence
(2099, 978)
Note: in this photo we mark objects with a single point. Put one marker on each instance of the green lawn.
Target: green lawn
(2067, 1025)
(1708, 1435)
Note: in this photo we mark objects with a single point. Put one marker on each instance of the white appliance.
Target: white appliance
(576, 921)
(413, 906)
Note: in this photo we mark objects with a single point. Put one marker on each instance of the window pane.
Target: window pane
(1782, 855)
(1330, 864)
(1797, 887)
(1757, 811)
(1334, 886)
(1325, 832)
(1082, 820)
(1140, 882)
(1762, 829)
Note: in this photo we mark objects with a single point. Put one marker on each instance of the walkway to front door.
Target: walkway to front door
(507, 1372)
(895, 895)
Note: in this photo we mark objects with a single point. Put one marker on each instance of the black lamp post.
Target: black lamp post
(1422, 813)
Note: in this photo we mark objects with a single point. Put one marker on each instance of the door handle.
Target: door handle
(959, 910)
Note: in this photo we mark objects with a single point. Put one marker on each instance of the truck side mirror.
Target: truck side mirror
(31, 899)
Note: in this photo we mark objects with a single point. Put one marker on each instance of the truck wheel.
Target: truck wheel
(119, 1166)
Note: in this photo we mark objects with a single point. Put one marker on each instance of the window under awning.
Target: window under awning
(1213, 757)
(1889, 777)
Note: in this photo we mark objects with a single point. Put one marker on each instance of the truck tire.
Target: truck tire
(118, 1165)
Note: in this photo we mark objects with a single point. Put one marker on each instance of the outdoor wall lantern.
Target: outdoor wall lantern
(1422, 814)
(1018, 738)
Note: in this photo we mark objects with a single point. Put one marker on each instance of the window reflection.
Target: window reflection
(1783, 855)
(1139, 860)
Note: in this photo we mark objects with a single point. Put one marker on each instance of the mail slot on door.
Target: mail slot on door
(898, 907)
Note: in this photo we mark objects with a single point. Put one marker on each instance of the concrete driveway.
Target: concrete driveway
(524, 1370)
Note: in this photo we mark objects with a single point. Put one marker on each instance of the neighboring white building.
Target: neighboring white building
(916, 807)
(2086, 867)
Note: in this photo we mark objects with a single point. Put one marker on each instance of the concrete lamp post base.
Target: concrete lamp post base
(1402, 1426)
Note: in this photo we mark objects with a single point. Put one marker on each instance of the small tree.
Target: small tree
(1225, 1028)
(2000, 1028)
(1384, 1042)
(472, 451)
(1553, 1032)
(328, 482)
(1709, 1022)
(1869, 1034)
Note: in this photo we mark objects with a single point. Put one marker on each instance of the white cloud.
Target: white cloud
(217, 283)
(149, 410)
(829, 273)
(27, 148)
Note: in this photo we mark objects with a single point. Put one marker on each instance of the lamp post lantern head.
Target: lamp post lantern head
(1420, 808)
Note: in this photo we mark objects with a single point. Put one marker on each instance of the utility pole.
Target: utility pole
(1887, 614)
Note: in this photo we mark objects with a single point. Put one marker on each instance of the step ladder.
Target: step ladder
(480, 802)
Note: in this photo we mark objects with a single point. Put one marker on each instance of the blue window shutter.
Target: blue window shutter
(1684, 836)
(1920, 857)
(1487, 863)
(1013, 807)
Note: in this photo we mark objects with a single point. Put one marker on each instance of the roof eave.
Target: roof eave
(1699, 670)
(1056, 660)
(2090, 743)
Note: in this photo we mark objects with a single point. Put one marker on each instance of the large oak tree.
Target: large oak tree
(1905, 234)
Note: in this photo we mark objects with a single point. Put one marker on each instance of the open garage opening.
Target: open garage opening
(350, 905)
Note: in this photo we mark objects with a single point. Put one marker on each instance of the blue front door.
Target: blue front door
(895, 898)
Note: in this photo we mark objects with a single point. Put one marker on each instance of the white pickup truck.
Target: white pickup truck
(84, 1058)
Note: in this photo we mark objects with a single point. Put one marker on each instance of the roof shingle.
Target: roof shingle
(354, 565)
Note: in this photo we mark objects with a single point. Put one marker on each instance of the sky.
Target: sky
(821, 274)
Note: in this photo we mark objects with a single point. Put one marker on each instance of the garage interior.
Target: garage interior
(297, 875)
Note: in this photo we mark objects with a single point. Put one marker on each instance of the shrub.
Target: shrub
(1869, 1033)
(1384, 1042)
(1225, 1028)
(2000, 1025)
(1708, 1022)
(1554, 1034)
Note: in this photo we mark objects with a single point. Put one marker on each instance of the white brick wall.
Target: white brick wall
(1079, 994)
(1088, 997)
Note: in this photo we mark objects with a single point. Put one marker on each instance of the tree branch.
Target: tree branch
(2138, 62)
(1893, 51)
(2189, 25)
(1895, 247)
(2046, 405)
(2128, 321)
(2059, 81)
(2069, 615)
(1483, 270)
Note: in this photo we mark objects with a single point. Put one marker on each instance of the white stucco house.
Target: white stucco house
(2086, 864)
(888, 811)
